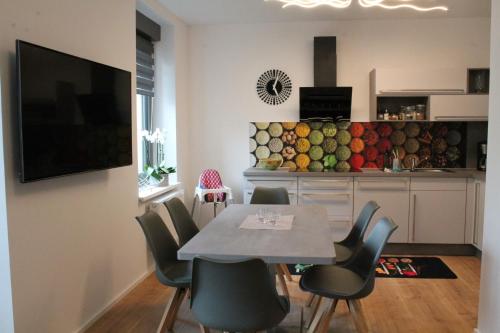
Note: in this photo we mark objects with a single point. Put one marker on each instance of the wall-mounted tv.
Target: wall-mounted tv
(74, 114)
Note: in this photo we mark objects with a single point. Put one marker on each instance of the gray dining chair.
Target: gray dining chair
(345, 249)
(350, 282)
(235, 296)
(274, 196)
(270, 196)
(169, 271)
(183, 222)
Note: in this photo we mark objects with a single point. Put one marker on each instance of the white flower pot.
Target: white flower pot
(164, 182)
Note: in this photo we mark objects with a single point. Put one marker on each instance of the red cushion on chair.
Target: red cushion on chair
(210, 179)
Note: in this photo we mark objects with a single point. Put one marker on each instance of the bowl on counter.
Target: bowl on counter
(269, 163)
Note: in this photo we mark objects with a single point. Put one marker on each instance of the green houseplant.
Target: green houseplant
(156, 172)
(160, 172)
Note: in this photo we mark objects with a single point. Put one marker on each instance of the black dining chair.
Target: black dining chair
(270, 196)
(235, 296)
(350, 282)
(345, 249)
(169, 271)
(274, 196)
(183, 222)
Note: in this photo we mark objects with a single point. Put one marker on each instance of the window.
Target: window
(148, 32)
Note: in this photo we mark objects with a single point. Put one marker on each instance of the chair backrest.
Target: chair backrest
(234, 296)
(211, 179)
(183, 222)
(366, 259)
(358, 231)
(160, 241)
(270, 196)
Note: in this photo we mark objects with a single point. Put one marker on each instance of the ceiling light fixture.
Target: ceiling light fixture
(379, 3)
(362, 3)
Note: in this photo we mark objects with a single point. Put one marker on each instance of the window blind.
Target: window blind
(148, 32)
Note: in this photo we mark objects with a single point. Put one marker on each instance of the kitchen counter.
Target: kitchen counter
(456, 173)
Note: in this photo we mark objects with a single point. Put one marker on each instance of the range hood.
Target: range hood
(325, 101)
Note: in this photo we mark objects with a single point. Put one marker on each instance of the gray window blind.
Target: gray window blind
(148, 32)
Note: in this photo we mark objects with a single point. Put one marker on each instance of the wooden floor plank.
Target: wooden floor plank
(396, 305)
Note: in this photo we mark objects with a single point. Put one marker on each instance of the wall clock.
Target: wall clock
(274, 87)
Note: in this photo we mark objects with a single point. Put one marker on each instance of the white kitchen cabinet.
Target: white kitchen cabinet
(335, 194)
(290, 183)
(475, 211)
(437, 211)
(459, 107)
(411, 81)
(392, 195)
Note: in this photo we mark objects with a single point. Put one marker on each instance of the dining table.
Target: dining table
(308, 241)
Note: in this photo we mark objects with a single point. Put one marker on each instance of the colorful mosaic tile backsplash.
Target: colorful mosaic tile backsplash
(344, 146)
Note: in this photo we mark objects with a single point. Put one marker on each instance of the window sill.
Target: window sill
(153, 192)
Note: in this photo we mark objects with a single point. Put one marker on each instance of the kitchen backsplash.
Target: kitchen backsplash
(303, 146)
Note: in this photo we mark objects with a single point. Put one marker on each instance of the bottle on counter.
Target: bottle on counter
(386, 114)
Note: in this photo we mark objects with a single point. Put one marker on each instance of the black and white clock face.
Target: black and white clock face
(274, 87)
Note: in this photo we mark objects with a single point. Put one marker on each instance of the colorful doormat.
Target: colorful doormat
(402, 267)
(414, 267)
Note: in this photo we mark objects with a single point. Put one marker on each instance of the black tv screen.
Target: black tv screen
(74, 114)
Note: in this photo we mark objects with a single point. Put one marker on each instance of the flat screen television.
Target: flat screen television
(74, 114)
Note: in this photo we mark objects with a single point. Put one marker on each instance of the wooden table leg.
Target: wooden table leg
(286, 271)
(281, 279)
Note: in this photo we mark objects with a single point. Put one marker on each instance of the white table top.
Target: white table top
(310, 241)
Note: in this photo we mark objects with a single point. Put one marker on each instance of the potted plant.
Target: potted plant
(160, 173)
(329, 162)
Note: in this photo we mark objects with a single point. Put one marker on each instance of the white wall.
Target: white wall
(226, 61)
(6, 314)
(489, 302)
(74, 244)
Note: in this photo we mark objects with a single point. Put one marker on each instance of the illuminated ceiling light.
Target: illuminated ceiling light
(362, 3)
(379, 3)
(316, 3)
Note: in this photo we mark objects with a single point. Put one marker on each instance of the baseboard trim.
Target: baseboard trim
(431, 249)
(115, 300)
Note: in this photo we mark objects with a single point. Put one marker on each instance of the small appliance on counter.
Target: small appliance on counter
(482, 149)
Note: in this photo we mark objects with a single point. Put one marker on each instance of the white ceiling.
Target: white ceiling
(254, 11)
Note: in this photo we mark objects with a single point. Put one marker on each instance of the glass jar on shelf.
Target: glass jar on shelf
(420, 111)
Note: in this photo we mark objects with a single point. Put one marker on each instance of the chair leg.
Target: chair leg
(285, 269)
(348, 305)
(280, 273)
(327, 318)
(314, 311)
(215, 209)
(358, 316)
(310, 300)
(168, 318)
(204, 329)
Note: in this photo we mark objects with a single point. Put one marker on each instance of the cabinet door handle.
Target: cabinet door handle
(476, 209)
(333, 196)
(325, 182)
(414, 217)
(378, 185)
(461, 118)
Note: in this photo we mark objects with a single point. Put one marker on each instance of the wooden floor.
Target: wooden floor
(396, 305)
